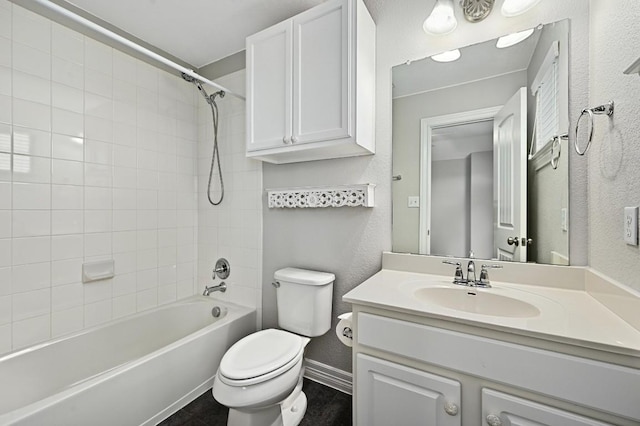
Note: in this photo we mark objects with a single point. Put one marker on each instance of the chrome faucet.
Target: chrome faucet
(470, 280)
(222, 287)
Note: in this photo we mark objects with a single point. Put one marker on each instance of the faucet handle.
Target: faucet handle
(459, 276)
(484, 274)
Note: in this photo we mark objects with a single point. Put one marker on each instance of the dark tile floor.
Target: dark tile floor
(325, 407)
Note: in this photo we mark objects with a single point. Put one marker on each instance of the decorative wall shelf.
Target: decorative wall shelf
(360, 195)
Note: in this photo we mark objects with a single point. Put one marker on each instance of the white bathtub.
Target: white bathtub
(133, 371)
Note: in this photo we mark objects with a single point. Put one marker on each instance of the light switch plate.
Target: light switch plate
(631, 225)
(563, 219)
(413, 202)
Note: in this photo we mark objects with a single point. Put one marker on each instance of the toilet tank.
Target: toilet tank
(304, 300)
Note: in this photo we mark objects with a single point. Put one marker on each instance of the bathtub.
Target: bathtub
(133, 371)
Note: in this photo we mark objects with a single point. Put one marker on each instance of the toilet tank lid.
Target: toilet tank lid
(304, 276)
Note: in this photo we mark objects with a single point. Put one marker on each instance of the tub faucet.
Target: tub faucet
(222, 287)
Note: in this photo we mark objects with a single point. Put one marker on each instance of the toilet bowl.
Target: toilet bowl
(260, 379)
(260, 376)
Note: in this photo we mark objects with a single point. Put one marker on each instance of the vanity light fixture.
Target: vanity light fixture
(448, 56)
(441, 21)
(515, 38)
(512, 8)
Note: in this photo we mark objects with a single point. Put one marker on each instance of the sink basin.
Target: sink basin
(476, 302)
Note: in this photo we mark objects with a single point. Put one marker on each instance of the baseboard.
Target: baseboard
(328, 376)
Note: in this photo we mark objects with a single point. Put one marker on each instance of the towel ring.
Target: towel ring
(554, 159)
(599, 110)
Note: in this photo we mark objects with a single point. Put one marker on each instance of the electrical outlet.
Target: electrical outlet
(631, 225)
(413, 202)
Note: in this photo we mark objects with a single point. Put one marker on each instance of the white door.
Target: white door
(321, 41)
(510, 179)
(501, 408)
(269, 82)
(393, 394)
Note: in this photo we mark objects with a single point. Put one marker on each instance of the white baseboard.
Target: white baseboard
(328, 376)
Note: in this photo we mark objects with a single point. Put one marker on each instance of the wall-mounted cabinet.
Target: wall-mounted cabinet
(311, 85)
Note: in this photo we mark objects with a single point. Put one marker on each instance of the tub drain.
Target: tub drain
(215, 311)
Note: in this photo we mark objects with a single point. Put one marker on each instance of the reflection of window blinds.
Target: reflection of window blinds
(545, 89)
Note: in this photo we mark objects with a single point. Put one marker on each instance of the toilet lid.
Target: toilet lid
(260, 353)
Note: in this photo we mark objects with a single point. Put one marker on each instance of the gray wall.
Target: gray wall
(407, 113)
(614, 158)
(450, 208)
(363, 234)
(481, 201)
(547, 187)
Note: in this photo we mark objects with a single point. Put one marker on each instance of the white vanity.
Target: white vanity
(541, 346)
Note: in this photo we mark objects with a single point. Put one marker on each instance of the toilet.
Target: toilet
(260, 376)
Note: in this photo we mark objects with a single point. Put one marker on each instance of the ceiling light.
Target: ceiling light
(448, 56)
(515, 38)
(512, 8)
(441, 20)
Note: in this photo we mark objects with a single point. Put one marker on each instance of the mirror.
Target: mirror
(480, 156)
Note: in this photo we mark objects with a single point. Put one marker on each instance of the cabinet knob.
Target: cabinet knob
(493, 420)
(285, 140)
(294, 139)
(450, 408)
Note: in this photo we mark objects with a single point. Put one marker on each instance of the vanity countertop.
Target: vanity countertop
(566, 315)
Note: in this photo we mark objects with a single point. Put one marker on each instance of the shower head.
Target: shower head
(188, 78)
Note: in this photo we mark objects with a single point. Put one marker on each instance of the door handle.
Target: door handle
(526, 241)
(513, 241)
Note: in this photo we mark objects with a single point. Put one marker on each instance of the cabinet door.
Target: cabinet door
(502, 409)
(321, 41)
(269, 83)
(393, 394)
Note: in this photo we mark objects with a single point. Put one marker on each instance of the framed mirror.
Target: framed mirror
(480, 156)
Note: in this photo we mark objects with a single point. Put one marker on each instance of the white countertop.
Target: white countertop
(569, 316)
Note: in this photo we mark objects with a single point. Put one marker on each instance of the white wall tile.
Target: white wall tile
(67, 321)
(98, 56)
(67, 296)
(31, 223)
(97, 313)
(5, 310)
(31, 114)
(31, 142)
(30, 196)
(147, 299)
(66, 147)
(30, 331)
(31, 29)
(5, 252)
(67, 172)
(31, 88)
(97, 291)
(27, 168)
(5, 223)
(124, 284)
(67, 72)
(66, 271)
(31, 250)
(124, 305)
(67, 97)
(66, 247)
(98, 175)
(32, 61)
(67, 44)
(96, 198)
(67, 122)
(67, 222)
(97, 244)
(98, 152)
(31, 304)
(97, 82)
(65, 197)
(5, 138)
(98, 221)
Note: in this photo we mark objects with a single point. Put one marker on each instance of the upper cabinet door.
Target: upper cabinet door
(269, 83)
(321, 40)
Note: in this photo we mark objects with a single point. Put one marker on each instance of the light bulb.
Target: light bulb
(512, 8)
(515, 38)
(448, 56)
(441, 20)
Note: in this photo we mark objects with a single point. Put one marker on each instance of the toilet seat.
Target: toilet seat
(260, 356)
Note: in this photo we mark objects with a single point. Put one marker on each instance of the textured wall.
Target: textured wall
(348, 242)
(614, 158)
(97, 161)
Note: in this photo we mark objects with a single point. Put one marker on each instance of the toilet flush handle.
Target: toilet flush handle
(276, 284)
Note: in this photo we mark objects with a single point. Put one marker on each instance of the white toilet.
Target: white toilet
(260, 376)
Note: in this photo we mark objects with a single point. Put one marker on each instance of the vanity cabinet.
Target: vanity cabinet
(408, 368)
(391, 393)
(311, 85)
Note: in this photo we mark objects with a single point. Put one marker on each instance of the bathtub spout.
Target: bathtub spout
(208, 290)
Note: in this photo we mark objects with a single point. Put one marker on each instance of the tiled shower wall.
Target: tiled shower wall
(233, 229)
(98, 160)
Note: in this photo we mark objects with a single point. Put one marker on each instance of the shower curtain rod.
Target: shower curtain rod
(128, 43)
